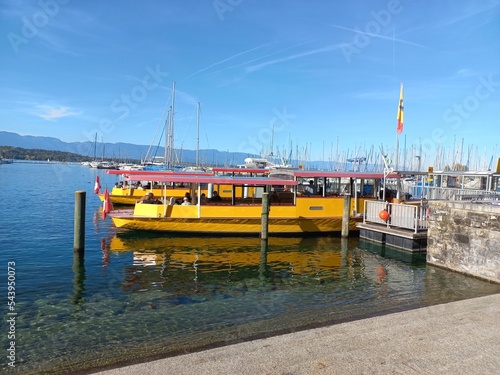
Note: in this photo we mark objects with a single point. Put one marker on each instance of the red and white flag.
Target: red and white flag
(97, 185)
(107, 206)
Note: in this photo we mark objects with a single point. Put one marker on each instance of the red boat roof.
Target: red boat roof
(240, 170)
(158, 173)
(218, 180)
(181, 176)
(312, 174)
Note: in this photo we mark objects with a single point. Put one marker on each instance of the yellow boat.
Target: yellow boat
(292, 211)
(128, 194)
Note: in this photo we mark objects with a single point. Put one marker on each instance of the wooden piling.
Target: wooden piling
(79, 277)
(265, 216)
(263, 260)
(79, 228)
(346, 216)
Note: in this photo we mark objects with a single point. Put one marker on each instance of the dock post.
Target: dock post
(344, 253)
(79, 278)
(346, 215)
(263, 260)
(265, 216)
(79, 228)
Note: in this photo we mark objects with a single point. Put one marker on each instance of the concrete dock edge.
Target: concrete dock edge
(460, 337)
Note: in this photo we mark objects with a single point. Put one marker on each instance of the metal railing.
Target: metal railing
(478, 196)
(405, 216)
(453, 194)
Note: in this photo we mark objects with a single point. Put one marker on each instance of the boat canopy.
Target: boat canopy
(158, 173)
(173, 176)
(466, 173)
(239, 170)
(211, 179)
(361, 175)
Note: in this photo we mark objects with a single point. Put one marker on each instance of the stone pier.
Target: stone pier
(465, 237)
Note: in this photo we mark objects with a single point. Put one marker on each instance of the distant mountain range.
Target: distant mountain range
(119, 151)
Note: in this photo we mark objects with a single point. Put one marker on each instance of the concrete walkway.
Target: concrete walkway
(455, 338)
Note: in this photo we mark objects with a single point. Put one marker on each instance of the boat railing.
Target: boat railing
(399, 215)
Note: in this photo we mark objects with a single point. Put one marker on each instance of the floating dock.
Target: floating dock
(396, 237)
(403, 226)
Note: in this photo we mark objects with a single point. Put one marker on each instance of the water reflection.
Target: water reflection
(182, 265)
(391, 252)
(164, 295)
(298, 274)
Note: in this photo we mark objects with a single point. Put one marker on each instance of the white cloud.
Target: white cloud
(48, 112)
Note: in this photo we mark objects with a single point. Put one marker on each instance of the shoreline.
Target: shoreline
(450, 338)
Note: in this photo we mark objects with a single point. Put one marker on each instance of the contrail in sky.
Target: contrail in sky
(358, 31)
(228, 58)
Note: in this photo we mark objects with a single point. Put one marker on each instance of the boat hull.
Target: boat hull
(309, 215)
(232, 225)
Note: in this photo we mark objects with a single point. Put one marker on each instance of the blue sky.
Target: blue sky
(320, 78)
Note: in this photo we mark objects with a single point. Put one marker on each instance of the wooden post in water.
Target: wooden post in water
(264, 236)
(263, 260)
(346, 215)
(79, 229)
(344, 251)
(79, 278)
(265, 216)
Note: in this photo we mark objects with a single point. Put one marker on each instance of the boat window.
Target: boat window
(316, 208)
(451, 182)
(333, 186)
(496, 183)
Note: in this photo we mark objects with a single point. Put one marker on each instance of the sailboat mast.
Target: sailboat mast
(272, 142)
(167, 138)
(170, 156)
(95, 147)
(198, 135)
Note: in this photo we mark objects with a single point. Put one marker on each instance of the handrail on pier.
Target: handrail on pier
(413, 217)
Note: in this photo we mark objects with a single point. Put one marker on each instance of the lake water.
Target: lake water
(143, 296)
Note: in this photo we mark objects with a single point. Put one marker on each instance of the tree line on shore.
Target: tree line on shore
(18, 153)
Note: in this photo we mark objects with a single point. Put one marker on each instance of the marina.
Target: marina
(137, 296)
(250, 188)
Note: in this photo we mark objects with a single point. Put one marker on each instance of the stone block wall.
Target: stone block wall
(465, 237)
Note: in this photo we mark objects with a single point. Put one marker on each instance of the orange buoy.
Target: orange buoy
(384, 215)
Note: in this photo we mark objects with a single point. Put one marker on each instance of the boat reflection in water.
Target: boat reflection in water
(200, 269)
(179, 294)
(230, 253)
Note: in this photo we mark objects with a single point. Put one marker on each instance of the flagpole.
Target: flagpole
(400, 118)
(397, 152)
(399, 130)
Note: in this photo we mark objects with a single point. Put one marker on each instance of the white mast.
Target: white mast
(95, 147)
(198, 135)
(170, 136)
(167, 139)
